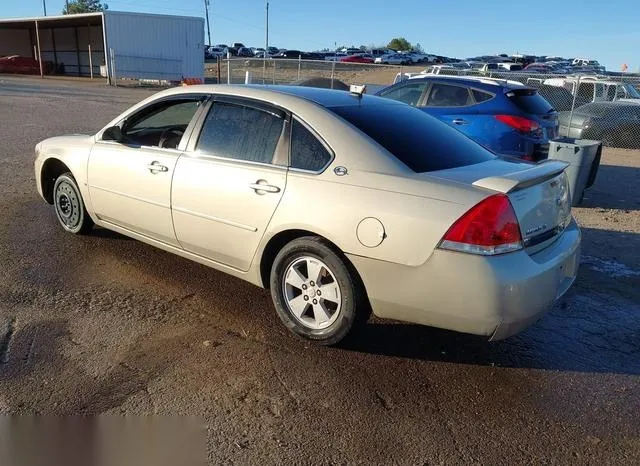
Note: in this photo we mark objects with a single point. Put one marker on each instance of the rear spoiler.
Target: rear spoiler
(523, 178)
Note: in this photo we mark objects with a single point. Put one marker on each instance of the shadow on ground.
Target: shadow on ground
(611, 189)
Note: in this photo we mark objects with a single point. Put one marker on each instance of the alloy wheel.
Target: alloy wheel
(312, 293)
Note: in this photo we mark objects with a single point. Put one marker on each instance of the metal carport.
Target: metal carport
(76, 43)
(129, 45)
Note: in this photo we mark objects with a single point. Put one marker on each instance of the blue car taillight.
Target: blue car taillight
(521, 124)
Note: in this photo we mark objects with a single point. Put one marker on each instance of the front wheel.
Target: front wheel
(315, 293)
(69, 206)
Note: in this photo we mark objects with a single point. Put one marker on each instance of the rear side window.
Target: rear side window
(421, 142)
(445, 95)
(408, 93)
(530, 101)
(240, 132)
(481, 96)
(307, 152)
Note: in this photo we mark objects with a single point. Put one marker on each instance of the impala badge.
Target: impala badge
(535, 229)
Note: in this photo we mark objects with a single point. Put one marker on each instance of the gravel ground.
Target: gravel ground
(106, 325)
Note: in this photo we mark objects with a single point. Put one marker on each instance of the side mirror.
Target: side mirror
(113, 133)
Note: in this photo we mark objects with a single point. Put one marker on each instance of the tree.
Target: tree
(399, 43)
(418, 48)
(84, 6)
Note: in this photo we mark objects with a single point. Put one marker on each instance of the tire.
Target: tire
(69, 206)
(338, 298)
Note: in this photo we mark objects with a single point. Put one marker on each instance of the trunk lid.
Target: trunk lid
(539, 194)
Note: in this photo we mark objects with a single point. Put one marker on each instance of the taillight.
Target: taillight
(521, 124)
(490, 227)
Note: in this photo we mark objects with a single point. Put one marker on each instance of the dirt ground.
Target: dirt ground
(106, 325)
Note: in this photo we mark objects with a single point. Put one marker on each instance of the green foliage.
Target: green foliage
(84, 6)
(400, 44)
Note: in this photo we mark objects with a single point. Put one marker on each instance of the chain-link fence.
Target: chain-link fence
(600, 107)
(285, 71)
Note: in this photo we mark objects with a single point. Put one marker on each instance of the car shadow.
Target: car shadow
(593, 328)
(611, 189)
(100, 232)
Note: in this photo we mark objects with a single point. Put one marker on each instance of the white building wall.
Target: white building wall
(155, 46)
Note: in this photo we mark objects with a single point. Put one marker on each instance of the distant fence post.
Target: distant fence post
(274, 71)
(247, 77)
(573, 105)
(333, 71)
(113, 67)
(299, 65)
(90, 63)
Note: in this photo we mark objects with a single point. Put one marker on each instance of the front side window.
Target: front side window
(161, 125)
(408, 94)
(307, 152)
(239, 132)
(446, 95)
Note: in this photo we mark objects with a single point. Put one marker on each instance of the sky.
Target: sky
(608, 31)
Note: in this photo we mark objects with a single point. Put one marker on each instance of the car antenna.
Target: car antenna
(358, 90)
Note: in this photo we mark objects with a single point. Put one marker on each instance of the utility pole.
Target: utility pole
(66, 2)
(44, 5)
(266, 42)
(206, 9)
(266, 47)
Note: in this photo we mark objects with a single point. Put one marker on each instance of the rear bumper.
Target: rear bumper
(493, 296)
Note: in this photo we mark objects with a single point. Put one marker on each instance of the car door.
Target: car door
(129, 180)
(229, 182)
(453, 105)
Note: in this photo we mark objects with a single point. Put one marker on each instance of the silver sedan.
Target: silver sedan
(338, 203)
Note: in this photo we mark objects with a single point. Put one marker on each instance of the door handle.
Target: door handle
(261, 185)
(459, 121)
(156, 167)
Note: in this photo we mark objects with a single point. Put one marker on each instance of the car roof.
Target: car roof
(325, 97)
(471, 80)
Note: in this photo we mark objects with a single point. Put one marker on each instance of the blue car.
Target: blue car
(504, 116)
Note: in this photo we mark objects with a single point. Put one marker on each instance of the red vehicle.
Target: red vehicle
(17, 64)
(357, 59)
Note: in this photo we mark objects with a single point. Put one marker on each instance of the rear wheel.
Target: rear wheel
(315, 293)
(69, 206)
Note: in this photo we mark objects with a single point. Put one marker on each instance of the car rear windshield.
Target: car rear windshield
(529, 101)
(420, 141)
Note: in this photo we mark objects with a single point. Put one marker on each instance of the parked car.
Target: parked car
(504, 116)
(437, 231)
(290, 54)
(594, 89)
(392, 59)
(559, 97)
(17, 64)
(359, 58)
(245, 52)
(215, 52)
(510, 66)
(616, 124)
(541, 68)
